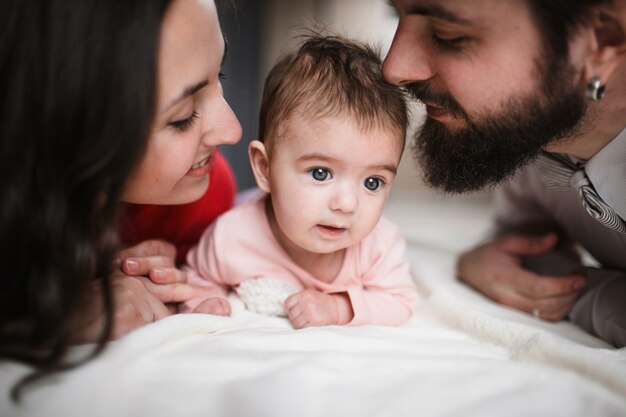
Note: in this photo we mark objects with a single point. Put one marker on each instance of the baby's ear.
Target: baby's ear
(260, 163)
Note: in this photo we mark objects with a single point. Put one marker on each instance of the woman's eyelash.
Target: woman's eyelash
(184, 124)
(221, 76)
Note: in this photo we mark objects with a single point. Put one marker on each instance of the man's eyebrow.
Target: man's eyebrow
(192, 89)
(438, 12)
(433, 10)
(393, 7)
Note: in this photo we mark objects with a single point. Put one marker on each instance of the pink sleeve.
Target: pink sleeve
(202, 270)
(388, 294)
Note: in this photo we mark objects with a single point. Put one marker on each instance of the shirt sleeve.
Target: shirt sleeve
(388, 294)
(203, 270)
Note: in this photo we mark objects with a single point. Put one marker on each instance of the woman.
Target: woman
(102, 102)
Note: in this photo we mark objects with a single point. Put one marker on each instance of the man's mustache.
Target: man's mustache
(423, 91)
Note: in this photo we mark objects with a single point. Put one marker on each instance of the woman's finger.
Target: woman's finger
(141, 266)
(164, 275)
(152, 247)
(173, 293)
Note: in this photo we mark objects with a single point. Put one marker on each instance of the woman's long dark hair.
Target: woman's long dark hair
(77, 98)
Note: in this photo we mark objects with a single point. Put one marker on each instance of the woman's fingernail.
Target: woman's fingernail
(132, 265)
(158, 273)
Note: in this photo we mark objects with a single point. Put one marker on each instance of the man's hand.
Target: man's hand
(313, 308)
(496, 270)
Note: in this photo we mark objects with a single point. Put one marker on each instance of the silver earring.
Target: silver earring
(595, 90)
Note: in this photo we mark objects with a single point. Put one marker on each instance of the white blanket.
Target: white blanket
(461, 355)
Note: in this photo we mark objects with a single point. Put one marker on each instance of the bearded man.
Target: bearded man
(530, 94)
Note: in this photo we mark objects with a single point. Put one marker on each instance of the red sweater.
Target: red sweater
(182, 224)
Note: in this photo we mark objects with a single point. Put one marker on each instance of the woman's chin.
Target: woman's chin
(185, 192)
(190, 194)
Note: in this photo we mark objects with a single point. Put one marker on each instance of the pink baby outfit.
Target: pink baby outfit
(240, 246)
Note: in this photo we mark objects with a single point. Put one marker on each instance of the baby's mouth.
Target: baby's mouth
(331, 230)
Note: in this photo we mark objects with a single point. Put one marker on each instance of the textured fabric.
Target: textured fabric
(182, 224)
(241, 246)
(602, 308)
(607, 171)
(527, 200)
(460, 354)
(561, 173)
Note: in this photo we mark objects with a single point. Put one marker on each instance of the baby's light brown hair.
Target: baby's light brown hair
(331, 76)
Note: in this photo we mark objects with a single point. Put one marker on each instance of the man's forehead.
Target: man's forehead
(462, 12)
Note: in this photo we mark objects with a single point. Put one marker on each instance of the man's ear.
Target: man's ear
(608, 45)
(260, 163)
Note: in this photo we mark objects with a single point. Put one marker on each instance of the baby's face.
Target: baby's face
(329, 181)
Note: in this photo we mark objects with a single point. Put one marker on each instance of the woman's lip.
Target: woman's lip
(203, 167)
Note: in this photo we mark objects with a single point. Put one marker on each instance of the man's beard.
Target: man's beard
(492, 147)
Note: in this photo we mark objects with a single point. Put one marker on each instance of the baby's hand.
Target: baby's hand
(313, 308)
(217, 306)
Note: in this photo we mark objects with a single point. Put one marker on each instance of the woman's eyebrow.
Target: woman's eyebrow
(189, 91)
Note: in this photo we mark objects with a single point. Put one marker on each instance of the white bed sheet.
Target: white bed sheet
(460, 355)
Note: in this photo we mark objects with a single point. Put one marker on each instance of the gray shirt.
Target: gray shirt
(526, 199)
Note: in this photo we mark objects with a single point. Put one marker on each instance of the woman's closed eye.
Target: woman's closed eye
(184, 124)
(320, 174)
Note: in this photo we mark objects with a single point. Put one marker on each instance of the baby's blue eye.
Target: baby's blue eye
(373, 183)
(320, 174)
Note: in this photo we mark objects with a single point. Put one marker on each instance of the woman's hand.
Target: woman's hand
(137, 301)
(146, 288)
(496, 270)
(133, 306)
(153, 259)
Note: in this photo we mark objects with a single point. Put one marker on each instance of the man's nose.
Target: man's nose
(408, 59)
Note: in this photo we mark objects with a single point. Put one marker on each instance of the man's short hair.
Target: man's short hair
(559, 20)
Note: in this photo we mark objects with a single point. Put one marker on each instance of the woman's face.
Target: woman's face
(191, 117)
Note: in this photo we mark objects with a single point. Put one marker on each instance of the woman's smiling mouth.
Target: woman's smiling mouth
(202, 167)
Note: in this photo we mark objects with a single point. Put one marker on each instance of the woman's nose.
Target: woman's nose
(231, 127)
(223, 126)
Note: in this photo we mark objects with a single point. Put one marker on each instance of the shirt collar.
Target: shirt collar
(607, 172)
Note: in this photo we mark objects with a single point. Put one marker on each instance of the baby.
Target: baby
(331, 136)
